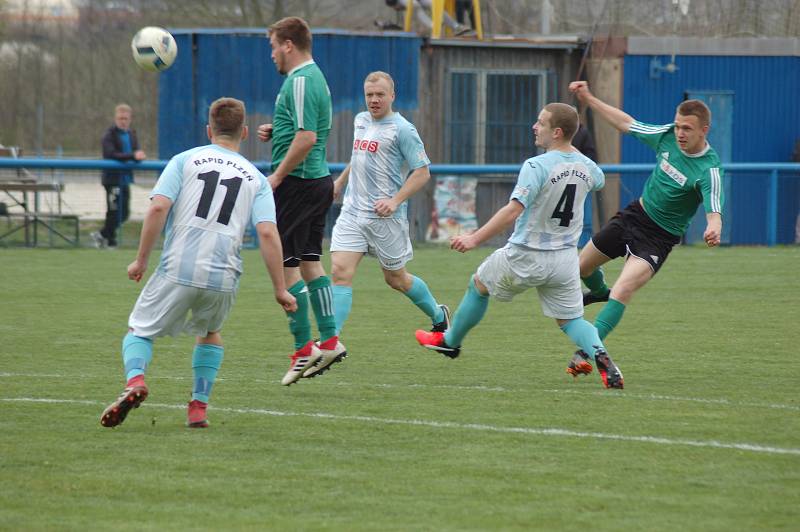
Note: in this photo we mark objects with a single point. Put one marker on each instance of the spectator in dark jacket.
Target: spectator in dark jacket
(119, 143)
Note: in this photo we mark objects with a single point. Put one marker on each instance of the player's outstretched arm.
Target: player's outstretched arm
(417, 180)
(498, 223)
(713, 233)
(616, 117)
(153, 224)
(269, 243)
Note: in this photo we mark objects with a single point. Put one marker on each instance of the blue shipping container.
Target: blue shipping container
(237, 63)
(756, 118)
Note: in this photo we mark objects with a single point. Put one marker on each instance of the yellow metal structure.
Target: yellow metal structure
(438, 8)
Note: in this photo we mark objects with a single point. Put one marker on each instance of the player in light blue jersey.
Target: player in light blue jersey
(374, 218)
(203, 201)
(546, 208)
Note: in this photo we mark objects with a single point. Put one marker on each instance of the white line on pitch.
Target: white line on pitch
(452, 425)
(478, 388)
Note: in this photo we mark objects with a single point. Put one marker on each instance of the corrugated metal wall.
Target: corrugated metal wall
(765, 127)
(237, 63)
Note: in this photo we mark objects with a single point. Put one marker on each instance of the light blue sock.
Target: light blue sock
(206, 360)
(469, 313)
(137, 352)
(421, 296)
(584, 334)
(342, 303)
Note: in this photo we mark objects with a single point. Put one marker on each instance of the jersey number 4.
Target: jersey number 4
(566, 202)
(232, 186)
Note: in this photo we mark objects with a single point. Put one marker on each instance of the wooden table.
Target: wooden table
(31, 217)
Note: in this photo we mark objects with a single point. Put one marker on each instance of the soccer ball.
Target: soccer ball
(154, 48)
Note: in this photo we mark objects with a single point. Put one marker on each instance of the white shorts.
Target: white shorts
(163, 309)
(385, 238)
(514, 269)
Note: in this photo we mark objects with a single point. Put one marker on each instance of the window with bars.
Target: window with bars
(491, 114)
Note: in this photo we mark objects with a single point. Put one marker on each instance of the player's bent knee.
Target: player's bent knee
(342, 276)
(398, 284)
(398, 279)
(623, 292)
(479, 286)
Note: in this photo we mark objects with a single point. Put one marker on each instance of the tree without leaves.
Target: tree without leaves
(76, 73)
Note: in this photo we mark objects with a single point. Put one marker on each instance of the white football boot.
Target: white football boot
(302, 359)
(332, 350)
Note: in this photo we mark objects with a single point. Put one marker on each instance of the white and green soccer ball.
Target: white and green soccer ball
(154, 48)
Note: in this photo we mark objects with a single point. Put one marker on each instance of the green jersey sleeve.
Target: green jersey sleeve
(711, 189)
(307, 105)
(650, 134)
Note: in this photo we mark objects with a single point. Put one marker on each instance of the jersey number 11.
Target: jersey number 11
(232, 185)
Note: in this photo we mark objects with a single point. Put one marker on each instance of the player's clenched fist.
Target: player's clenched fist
(264, 132)
(580, 89)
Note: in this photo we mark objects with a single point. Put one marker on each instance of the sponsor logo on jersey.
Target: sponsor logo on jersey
(521, 191)
(673, 172)
(366, 144)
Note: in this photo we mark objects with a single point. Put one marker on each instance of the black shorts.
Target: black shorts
(632, 232)
(302, 208)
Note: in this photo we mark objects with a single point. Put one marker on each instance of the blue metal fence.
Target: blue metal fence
(767, 218)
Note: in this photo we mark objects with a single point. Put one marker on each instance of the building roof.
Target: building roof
(781, 46)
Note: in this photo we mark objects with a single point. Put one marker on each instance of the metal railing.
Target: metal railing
(773, 170)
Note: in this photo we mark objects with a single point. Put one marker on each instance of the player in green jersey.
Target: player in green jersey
(687, 174)
(301, 122)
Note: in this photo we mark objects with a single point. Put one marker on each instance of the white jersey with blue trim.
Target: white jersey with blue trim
(382, 151)
(552, 188)
(215, 193)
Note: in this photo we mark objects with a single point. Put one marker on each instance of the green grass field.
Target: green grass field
(705, 436)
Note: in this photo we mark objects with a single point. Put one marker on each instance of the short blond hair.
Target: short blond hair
(372, 77)
(123, 107)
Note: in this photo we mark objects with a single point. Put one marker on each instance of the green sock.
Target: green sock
(299, 324)
(609, 317)
(321, 296)
(596, 283)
